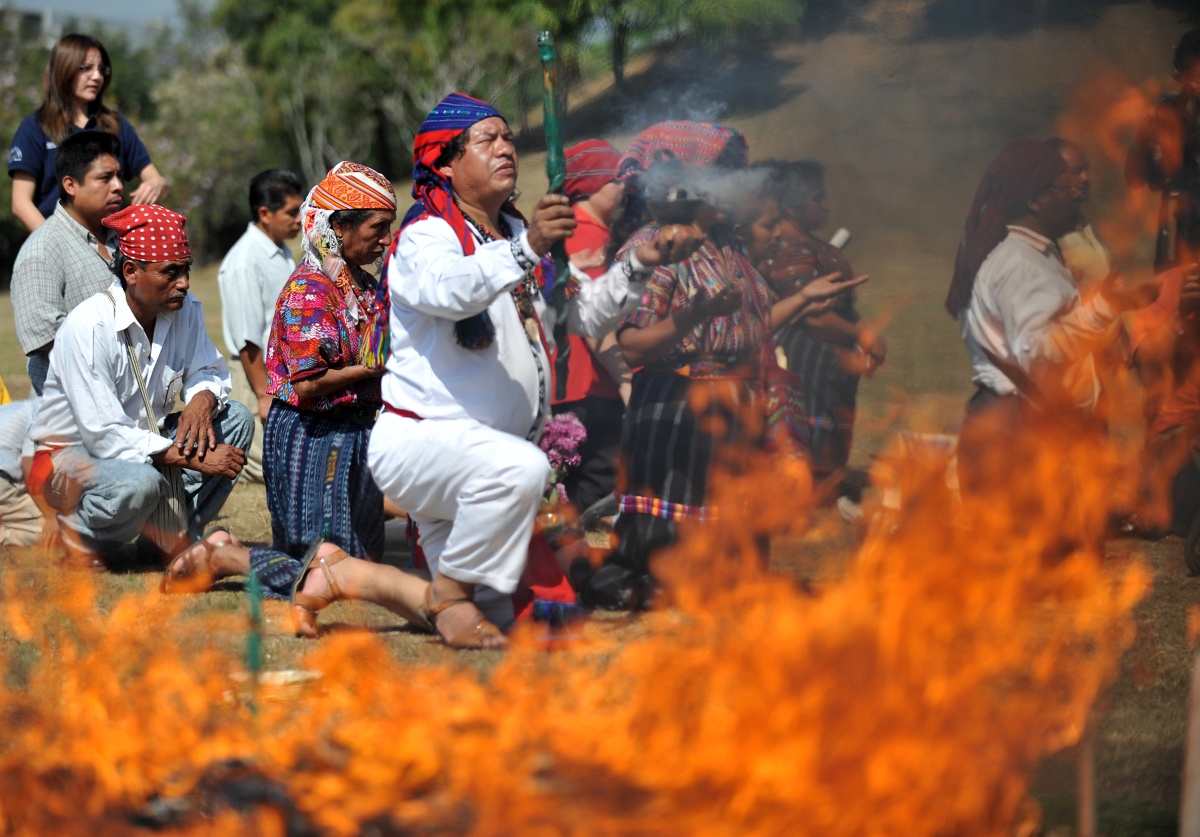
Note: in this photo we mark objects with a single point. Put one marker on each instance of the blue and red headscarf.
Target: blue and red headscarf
(433, 194)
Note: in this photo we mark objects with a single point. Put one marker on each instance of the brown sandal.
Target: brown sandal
(201, 577)
(306, 606)
(471, 638)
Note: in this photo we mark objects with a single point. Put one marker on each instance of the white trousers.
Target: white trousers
(473, 492)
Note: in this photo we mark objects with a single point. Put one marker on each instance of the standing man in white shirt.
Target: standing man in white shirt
(1028, 333)
(252, 274)
(98, 457)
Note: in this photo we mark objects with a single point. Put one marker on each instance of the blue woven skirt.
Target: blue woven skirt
(318, 485)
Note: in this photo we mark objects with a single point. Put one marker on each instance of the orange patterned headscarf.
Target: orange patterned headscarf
(353, 186)
(347, 186)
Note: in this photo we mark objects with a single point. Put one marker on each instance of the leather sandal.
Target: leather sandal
(306, 606)
(470, 638)
(200, 579)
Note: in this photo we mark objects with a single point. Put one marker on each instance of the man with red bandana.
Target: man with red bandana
(98, 458)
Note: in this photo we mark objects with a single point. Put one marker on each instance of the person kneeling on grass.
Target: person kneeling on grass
(326, 393)
(107, 446)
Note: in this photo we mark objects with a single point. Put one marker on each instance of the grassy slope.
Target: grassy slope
(905, 131)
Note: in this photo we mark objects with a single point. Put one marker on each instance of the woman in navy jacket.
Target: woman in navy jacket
(77, 74)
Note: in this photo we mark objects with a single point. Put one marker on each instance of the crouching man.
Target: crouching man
(102, 463)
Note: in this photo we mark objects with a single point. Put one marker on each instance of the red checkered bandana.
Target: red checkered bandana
(150, 233)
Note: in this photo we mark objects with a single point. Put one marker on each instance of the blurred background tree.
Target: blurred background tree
(245, 85)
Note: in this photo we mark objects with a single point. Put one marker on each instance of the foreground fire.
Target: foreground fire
(910, 697)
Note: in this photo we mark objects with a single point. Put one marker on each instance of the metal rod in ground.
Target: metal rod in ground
(1189, 805)
(1087, 783)
(254, 636)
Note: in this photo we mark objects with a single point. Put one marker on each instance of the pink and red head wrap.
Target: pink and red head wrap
(150, 233)
(1022, 170)
(591, 165)
(699, 144)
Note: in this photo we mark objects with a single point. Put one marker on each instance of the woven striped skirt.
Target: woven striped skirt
(676, 428)
(828, 396)
(318, 485)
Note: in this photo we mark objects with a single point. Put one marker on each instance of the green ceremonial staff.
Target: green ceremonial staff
(556, 163)
(556, 173)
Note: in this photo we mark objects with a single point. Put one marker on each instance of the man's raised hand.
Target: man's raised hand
(553, 221)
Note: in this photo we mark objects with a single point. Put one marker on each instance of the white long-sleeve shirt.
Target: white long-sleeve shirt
(1025, 309)
(432, 285)
(252, 274)
(597, 308)
(92, 397)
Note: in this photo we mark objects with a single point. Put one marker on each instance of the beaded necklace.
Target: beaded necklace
(523, 294)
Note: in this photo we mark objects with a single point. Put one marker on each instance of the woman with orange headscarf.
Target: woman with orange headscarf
(324, 361)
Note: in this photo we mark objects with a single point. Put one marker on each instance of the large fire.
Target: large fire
(911, 696)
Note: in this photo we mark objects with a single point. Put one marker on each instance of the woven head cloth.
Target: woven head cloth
(591, 165)
(699, 144)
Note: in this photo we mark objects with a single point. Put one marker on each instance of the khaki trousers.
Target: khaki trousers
(20, 520)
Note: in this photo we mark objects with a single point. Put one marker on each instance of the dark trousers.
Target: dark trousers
(987, 441)
(596, 477)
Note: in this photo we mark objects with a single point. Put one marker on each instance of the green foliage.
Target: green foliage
(302, 84)
(21, 65)
(353, 80)
(210, 140)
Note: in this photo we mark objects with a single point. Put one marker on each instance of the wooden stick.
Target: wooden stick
(1189, 805)
(1087, 783)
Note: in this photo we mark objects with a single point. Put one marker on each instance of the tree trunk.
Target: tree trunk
(620, 45)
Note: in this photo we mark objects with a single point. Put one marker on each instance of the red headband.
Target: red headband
(591, 165)
(150, 233)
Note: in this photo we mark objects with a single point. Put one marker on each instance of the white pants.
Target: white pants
(473, 492)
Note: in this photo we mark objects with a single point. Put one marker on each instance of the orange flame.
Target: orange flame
(912, 696)
(1106, 111)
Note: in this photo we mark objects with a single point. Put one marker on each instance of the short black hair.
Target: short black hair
(118, 265)
(1187, 51)
(453, 150)
(271, 188)
(796, 184)
(77, 153)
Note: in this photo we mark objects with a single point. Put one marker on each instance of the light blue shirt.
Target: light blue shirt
(253, 273)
